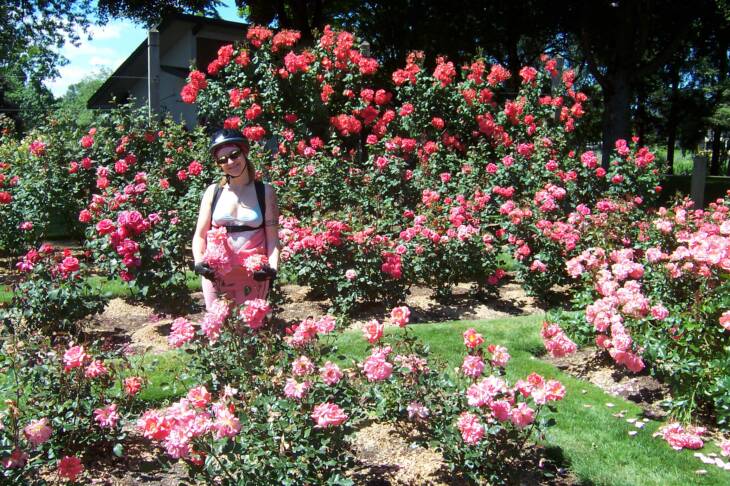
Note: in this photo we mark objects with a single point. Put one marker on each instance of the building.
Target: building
(170, 49)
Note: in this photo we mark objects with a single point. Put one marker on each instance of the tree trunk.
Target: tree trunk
(716, 130)
(673, 119)
(617, 95)
(641, 116)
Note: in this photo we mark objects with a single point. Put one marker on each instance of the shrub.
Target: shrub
(53, 293)
(149, 179)
(65, 405)
(655, 293)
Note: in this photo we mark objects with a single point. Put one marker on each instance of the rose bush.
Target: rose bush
(149, 179)
(52, 294)
(279, 403)
(66, 404)
(654, 293)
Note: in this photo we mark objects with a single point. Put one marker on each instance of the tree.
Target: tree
(72, 105)
(150, 12)
(623, 42)
(508, 32)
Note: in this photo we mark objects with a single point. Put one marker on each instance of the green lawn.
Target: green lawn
(596, 444)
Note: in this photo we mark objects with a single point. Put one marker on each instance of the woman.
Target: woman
(249, 211)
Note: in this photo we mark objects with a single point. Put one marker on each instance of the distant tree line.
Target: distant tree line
(653, 68)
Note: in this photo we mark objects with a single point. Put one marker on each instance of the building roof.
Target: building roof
(134, 68)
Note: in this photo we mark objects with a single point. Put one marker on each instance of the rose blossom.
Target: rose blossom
(400, 315)
(328, 415)
(373, 331)
(472, 339)
(472, 366)
(95, 369)
(296, 390)
(302, 366)
(325, 324)
(500, 356)
(70, 468)
(74, 357)
(471, 429)
(226, 423)
(522, 415)
(417, 411)
(680, 438)
(17, 459)
(107, 417)
(37, 431)
(132, 385)
(376, 368)
(725, 320)
(330, 373)
(255, 312)
(199, 396)
(181, 332)
(350, 274)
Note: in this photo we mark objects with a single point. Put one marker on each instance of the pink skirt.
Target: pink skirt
(238, 285)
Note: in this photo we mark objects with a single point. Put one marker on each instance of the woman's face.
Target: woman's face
(232, 159)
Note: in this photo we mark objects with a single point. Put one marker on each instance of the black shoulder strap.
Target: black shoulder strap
(261, 196)
(216, 195)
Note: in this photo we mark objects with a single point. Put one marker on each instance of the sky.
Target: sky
(109, 46)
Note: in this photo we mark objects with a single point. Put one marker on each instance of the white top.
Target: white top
(245, 217)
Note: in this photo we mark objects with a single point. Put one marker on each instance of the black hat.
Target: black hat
(226, 136)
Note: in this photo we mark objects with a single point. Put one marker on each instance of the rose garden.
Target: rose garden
(439, 179)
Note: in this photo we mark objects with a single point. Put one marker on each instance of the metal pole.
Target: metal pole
(699, 175)
(153, 72)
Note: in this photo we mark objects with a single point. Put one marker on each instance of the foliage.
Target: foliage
(72, 105)
(147, 183)
(61, 402)
(53, 294)
(655, 294)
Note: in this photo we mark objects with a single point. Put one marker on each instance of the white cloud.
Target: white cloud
(108, 47)
(68, 76)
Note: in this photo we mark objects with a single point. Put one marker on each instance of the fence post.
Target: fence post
(699, 175)
(153, 72)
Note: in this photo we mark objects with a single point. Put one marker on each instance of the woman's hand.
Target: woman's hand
(204, 270)
(266, 273)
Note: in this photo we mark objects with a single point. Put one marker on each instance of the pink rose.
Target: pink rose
(107, 417)
(522, 415)
(376, 368)
(472, 339)
(472, 366)
(296, 390)
(302, 366)
(373, 331)
(74, 357)
(199, 396)
(330, 373)
(37, 431)
(328, 415)
(725, 320)
(400, 315)
(471, 429)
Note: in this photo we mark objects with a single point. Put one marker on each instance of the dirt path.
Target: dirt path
(143, 329)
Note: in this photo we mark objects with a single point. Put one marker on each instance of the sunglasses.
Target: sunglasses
(230, 156)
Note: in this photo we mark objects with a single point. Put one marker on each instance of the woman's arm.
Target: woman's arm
(203, 225)
(271, 226)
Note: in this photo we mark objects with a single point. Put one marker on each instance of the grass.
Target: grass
(594, 442)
